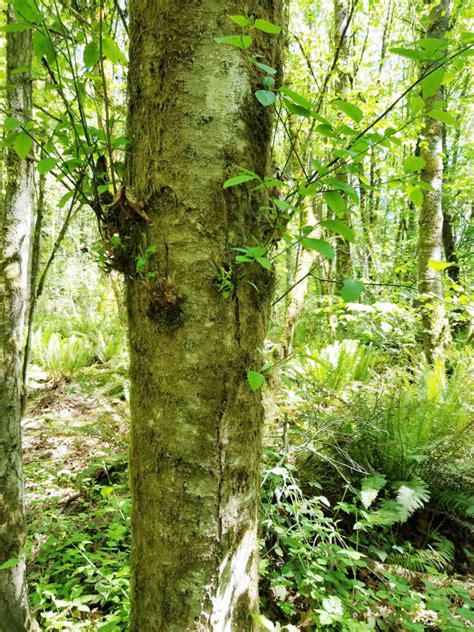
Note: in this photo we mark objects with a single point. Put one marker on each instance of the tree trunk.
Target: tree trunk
(16, 219)
(196, 425)
(32, 298)
(430, 241)
(341, 87)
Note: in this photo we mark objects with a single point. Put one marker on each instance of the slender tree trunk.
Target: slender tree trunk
(342, 85)
(16, 219)
(449, 242)
(32, 299)
(196, 425)
(430, 241)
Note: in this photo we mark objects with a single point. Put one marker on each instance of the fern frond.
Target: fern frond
(412, 495)
(371, 487)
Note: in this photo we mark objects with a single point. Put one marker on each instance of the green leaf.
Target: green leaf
(432, 44)
(47, 164)
(265, 263)
(326, 130)
(9, 564)
(27, 11)
(408, 52)
(267, 27)
(265, 68)
(22, 145)
(351, 290)
(265, 97)
(256, 380)
(353, 111)
(416, 104)
(335, 183)
(15, 27)
(268, 82)
(297, 98)
(239, 179)
(432, 82)
(340, 228)
(416, 196)
(438, 266)
(66, 197)
(112, 51)
(467, 37)
(241, 20)
(120, 141)
(43, 47)
(413, 163)
(443, 117)
(10, 123)
(319, 245)
(91, 54)
(240, 41)
(335, 201)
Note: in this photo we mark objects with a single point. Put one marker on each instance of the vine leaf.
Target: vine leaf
(255, 379)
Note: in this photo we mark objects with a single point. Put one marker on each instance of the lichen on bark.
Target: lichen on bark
(430, 241)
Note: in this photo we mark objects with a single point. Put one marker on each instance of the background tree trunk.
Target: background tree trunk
(342, 15)
(196, 425)
(430, 241)
(16, 219)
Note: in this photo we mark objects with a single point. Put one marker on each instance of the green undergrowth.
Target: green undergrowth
(79, 504)
(366, 514)
(367, 498)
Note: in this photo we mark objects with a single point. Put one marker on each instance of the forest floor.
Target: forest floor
(75, 455)
(75, 451)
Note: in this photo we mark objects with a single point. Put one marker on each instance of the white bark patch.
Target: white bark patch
(234, 580)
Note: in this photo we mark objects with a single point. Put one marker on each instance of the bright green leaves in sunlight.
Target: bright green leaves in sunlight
(255, 379)
(335, 201)
(351, 290)
(426, 49)
(9, 563)
(91, 54)
(300, 105)
(241, 20)
(254, 254)
(432, 82)
(319, 245)
(22, 144)
(47, 164)
(352, 111)
(438, 266)
(27, 10)
(340, 228)
(112, 51)
(240, 178)
(442, 117)
(415, 195)
(267, 27)
(239, 41)
(413, 163)
(265, 96)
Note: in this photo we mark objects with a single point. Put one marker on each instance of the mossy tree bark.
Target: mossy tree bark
(196, 425)
(430, 240)
(16, 219)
